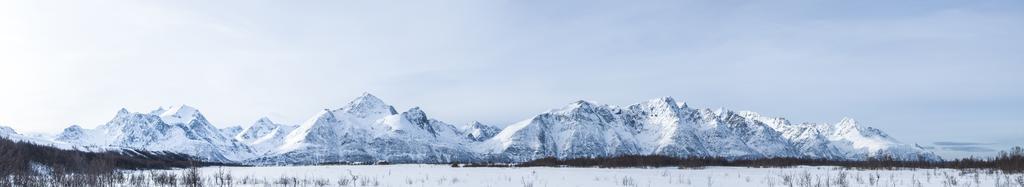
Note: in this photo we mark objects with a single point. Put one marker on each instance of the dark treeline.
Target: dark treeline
(1011, 161)
(22, 158)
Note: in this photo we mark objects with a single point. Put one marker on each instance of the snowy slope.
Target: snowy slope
(180, 129)
(231, 131)
(11, 134)
(264, 135)
(479, 132)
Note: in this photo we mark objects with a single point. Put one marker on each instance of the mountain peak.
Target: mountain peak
(158, 111)
(180, 114)
(262, 127)
(72, 132)
(722, 111)
(477, 131)
(577, 106)
(122, 112)
(264, 120)
(7, 130)
(367, 97)
(416, 110)
(664, 102)
(583, 104)
(851, 124)
(367, 105)
(416, 115)
(180, 109)
(667, 99)
(847, 123)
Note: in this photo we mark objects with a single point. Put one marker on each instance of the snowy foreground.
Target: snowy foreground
(443, 175)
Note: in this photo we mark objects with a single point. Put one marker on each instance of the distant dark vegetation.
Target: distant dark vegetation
(1008, 161)
(21, 161)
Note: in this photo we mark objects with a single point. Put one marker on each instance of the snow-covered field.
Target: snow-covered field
(443, 175)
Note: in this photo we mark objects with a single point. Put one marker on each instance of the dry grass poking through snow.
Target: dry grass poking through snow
(439, 175)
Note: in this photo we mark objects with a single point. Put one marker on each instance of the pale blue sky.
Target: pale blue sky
(923, 71)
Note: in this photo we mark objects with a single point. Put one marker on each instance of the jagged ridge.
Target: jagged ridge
(368, 130)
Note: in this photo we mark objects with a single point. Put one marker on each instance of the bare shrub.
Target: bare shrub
(628, 181)
(321, 182)
(369, 182)
(138, 179)
(249, 180)
(873, 179)
(287, 181)
(344, 181)
(192, 177)
(806, 179)
(223, 178)
(787, 180)
(950, 180)
(164, 178)
(841, 179)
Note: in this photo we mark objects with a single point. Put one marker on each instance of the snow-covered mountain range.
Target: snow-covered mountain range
(11, 134)
(180, 129)
(369, 130)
